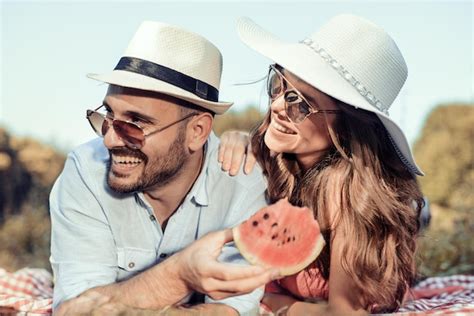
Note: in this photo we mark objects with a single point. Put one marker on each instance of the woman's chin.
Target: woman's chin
(274, 145)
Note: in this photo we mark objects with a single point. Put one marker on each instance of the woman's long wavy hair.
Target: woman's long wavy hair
(378, 199)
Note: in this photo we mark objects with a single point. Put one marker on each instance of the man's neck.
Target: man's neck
(165, 200)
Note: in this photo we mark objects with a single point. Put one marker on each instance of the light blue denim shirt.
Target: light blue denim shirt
(101, 237)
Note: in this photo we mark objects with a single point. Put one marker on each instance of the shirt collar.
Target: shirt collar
(199, 193)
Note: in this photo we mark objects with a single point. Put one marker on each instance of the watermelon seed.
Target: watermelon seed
(266, 216)
(294, 238)
(284, 231)
(283, 242)
(274, 224)
(255, 223)
(289, 239)
(274, 236)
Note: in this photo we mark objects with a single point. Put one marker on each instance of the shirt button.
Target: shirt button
(163, 255)
(131, 265)
(152, 218)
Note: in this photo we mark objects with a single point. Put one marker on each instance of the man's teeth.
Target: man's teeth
(126, 160)
(282, 129)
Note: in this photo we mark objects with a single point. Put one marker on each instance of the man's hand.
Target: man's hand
(235, 149)
(202, 272)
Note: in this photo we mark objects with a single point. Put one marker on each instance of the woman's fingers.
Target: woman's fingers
(250, 160)
(233, 150)
(239, 153)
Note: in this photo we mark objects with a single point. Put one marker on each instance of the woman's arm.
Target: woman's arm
(344, 297)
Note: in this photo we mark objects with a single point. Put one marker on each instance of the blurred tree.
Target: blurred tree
(15, 181)
(27, 172)
(445, 152)
(25, 239)
(245, 120)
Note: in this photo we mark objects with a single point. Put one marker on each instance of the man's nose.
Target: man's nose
(112, 139)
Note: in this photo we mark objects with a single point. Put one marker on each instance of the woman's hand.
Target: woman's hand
(200, 270)
(235, 149)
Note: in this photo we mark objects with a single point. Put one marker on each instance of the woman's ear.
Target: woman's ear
(199, 129)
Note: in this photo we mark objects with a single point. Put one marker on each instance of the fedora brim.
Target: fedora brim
(303, 62)
(138, 81)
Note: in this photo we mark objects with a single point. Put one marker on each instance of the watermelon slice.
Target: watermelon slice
(281, 236)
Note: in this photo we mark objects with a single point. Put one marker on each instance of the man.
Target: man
(128, 212)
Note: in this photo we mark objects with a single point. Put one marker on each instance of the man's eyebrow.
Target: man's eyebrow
(140, 116)
(134, 114)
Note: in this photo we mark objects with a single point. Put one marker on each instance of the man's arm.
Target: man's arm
(168, 282)
(83, 255)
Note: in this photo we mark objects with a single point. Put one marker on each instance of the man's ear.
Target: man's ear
(199, 129)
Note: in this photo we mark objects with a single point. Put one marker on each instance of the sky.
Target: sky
(47, 48)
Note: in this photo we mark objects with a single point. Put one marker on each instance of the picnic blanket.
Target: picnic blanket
(30, 291)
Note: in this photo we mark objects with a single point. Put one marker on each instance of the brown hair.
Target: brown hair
(378, 200)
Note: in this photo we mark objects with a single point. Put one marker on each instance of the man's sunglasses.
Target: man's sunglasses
(131, 133)
(297, 108)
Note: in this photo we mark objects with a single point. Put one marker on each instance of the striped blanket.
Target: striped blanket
(30, 291)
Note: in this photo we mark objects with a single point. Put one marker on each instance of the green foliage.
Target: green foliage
(25, 240)
(242, 121)
(446, 248)
(445, 153)
(27, 172)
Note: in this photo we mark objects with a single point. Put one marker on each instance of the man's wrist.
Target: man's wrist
(171, 272)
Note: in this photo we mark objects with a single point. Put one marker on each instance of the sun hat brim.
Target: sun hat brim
(303, 62)
(142, 82)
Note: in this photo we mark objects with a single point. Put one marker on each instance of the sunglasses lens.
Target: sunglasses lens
(97, 122)
(296, 108)
(273, 84)
(131, 134)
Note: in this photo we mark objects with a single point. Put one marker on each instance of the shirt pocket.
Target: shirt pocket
(131, 261)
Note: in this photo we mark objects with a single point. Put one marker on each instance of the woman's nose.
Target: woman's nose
(277, 106)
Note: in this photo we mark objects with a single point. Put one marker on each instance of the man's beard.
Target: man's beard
(157, 172)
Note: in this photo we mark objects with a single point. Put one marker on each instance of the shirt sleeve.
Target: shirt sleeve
(247, 304)
(83, 252)
(251, 200)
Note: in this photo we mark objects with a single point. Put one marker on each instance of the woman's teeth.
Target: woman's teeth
(282, 129)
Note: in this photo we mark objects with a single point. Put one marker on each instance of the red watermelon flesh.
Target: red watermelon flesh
(281, 236)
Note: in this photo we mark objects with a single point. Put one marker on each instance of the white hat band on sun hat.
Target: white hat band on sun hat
(171, 60)
(350, 59)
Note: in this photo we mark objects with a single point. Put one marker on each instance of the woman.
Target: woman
(327, 142)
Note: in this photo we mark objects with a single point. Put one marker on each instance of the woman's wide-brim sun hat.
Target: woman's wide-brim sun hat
(173, 61)
(350, 59)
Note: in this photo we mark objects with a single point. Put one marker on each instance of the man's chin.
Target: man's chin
(122, 184)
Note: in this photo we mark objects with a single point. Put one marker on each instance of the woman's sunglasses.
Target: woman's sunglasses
(131, 133)
(297, 108)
